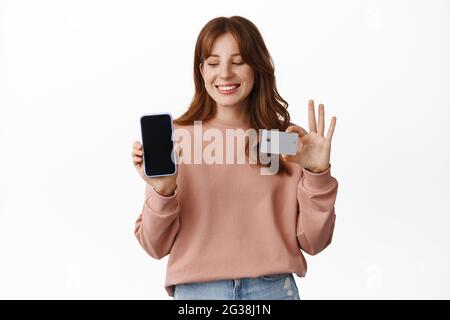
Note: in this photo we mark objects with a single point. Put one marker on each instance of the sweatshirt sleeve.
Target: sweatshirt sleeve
(157, 225)
(316, 195)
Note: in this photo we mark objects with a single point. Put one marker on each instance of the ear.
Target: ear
(201, 70)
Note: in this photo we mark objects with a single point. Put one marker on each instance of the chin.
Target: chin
(228, 101)
(228, 104)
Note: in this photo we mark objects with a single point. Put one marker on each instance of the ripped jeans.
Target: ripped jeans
(271, 287)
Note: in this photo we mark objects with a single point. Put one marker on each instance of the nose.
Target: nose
(225, 71)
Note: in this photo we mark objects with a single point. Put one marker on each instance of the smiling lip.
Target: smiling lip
(236, 85)
(227, 84)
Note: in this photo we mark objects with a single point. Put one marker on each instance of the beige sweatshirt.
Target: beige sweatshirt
(228, 221)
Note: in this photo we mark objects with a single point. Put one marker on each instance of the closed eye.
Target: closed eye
(215, 64)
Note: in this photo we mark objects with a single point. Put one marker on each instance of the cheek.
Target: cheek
(208, 76)
(248, 76)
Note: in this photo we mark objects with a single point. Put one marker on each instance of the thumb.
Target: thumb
(178, 153)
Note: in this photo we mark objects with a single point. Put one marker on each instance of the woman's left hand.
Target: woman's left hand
(313, 151)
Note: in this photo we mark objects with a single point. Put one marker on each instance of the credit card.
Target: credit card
(278, 142)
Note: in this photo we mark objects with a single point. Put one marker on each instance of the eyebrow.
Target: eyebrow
(234, 54)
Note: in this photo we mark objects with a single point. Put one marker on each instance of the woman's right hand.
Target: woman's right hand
(165, 186)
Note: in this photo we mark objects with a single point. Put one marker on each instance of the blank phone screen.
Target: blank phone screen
(158, 145)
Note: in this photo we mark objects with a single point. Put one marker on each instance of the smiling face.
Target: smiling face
(228, 80)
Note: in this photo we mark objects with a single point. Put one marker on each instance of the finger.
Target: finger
(137, 159)
(138, 166)
(331, 128)
(311, 117)
(176, 146)
(138, 152)
(137, 145)
(321, 122)
(178, 150)
(287, 157)
(301, 132)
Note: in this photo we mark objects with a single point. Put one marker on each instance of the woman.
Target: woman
(234, 231)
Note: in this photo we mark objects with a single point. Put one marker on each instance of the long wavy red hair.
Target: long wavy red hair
(267, 109)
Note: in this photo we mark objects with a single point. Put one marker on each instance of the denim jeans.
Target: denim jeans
(271, 287)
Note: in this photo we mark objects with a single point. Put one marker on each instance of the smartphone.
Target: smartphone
(278, 142)
(159, 153)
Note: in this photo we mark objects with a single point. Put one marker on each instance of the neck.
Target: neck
(232, 114)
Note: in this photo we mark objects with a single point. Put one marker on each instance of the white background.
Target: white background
(75, 76)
